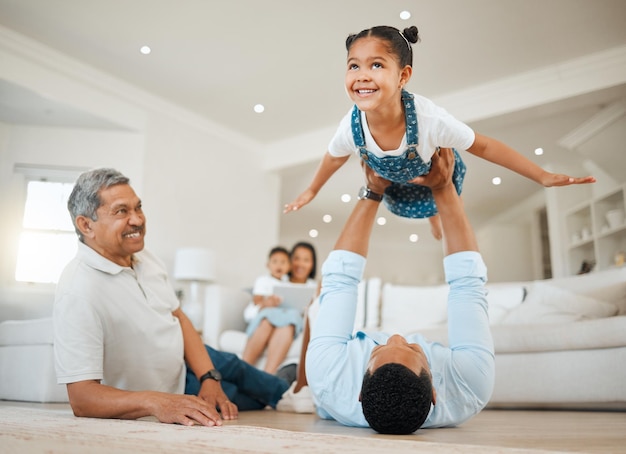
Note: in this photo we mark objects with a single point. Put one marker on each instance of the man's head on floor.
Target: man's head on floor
(397, 389)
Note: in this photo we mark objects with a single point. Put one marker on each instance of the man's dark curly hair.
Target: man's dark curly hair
(395, 400)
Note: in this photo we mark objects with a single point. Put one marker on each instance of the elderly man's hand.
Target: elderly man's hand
(441, 171)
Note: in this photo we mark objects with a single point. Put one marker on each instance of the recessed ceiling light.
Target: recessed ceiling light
(539, 151)
(496, 181)
(413, 237)
(259, 108)
(346, 198)
(313, 233)
(405, 15)
(327, 218)
(381, 220)
(145, 50)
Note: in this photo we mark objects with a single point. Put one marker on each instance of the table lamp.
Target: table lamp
(197, 266)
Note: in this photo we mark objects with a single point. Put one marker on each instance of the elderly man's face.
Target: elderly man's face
(121, 226)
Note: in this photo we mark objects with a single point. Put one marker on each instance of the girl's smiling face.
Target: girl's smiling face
(374, 78)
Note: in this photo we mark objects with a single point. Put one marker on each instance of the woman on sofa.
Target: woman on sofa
(275, 333)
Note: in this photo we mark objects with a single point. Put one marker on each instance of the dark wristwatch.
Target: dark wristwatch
(367, 193)
(213, 374)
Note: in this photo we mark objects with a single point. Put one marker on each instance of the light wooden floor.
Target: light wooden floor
(569, 431)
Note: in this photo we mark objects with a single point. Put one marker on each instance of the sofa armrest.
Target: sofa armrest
(223, 310)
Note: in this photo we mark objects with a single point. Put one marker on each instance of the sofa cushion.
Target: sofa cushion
(606, 285)
(409, 308)
(584, 335)
(549, 304)
(581, 335)
(27, 332)
(502, 298)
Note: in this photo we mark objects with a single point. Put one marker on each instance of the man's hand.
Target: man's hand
(441, 171)
(212, 393)
(184, 409)
(89, 398)
(375, 182)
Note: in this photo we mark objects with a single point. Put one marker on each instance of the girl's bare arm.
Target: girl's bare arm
(499, 153)
(329, 165)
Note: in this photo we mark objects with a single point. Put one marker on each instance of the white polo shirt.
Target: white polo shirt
(115, 324)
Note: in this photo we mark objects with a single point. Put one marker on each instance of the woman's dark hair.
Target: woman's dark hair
(399, 42)
(395, 400)
(309, 246)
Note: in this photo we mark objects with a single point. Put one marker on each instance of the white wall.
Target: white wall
(201, 185)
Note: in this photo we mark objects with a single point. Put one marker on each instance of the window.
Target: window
(48, 241)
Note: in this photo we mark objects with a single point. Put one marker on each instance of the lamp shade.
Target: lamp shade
(194, 264)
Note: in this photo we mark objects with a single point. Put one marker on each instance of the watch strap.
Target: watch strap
(367, 193)
(213, 374)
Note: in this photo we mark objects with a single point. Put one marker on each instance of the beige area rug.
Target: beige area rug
(26, 430)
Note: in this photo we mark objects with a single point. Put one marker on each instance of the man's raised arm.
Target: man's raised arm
(457, 231)
(356, 232)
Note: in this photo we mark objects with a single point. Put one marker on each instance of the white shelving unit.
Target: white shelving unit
(590, 236)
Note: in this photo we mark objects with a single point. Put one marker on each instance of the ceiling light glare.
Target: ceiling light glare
(381, 220)
(145, 50)
(413, 237)
(327, 218)
(496, 181)
(259, 108)
(346, 198)
(313, 233)
(538, 151)
(405, 15)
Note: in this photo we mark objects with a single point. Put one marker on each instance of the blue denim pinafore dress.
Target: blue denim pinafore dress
(402, 198)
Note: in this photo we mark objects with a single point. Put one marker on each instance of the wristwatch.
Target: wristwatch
(213, 374)
(367, 193)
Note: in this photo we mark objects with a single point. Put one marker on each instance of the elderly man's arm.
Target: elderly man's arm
(200, 362)
(90, 398)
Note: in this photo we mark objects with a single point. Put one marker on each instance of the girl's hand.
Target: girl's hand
(302, 200)
(555, 179)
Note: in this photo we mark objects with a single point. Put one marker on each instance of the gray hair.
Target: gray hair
(85, 197)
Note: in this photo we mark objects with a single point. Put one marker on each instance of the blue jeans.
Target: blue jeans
(246, 386)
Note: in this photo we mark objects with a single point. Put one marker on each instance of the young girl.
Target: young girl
(396, 132)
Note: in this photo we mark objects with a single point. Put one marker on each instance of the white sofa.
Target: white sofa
(560, 343)
(26, 347)
(224, 326)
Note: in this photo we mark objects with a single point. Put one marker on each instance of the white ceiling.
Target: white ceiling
(220, 58)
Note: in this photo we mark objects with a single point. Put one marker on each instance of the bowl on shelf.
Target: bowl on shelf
(615, 218)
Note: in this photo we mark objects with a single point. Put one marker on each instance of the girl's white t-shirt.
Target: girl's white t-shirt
(435, 126)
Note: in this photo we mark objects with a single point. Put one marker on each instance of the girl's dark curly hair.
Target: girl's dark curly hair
(399, 42)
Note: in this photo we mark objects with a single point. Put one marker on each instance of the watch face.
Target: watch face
(216, 375)
(366, 193)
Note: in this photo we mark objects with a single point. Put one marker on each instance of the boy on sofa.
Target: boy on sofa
(394, 384)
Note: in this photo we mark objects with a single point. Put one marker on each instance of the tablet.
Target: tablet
(295, 295)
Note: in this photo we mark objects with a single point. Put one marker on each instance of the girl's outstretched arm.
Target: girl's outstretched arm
(499, 153)
(329, 165)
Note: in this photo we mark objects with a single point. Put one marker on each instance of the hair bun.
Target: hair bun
(411, 34)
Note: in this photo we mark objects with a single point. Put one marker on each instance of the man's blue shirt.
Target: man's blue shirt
(336, 360)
